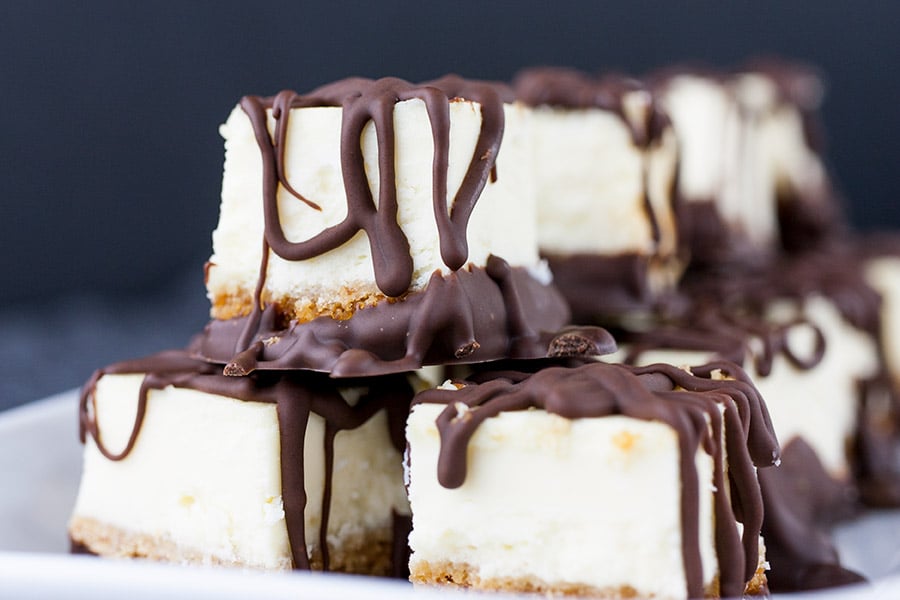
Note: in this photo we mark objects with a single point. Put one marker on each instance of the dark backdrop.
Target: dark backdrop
(110, 161)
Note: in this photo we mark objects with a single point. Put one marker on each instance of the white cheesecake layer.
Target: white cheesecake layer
(591, 180)
(782, 148)
(588, 501)
(818, 405)
(205, 475)
(503, 222)
(883, 274)
(721, 156)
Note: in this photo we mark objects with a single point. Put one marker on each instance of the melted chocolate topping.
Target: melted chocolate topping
(688, 403)
(470, 315)
(296, 395)
(568, 88)
(461, 316)
(801, 499)
(728, 337)
(362, 101)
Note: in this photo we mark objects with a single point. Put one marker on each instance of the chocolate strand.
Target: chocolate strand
(293, 420)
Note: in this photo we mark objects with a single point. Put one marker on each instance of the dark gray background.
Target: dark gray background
(110, 160)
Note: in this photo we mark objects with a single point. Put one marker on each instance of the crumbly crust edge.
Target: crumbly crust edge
(463, 575)
(367, 553)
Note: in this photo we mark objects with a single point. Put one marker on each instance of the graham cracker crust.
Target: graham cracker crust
(362, 554)
(462, 575)
(342, 304)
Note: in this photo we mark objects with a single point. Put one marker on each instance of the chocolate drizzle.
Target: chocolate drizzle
(296, 395)
(470, 315)
(688, 403)
(569, 88)
(729, 337)
(362, 101)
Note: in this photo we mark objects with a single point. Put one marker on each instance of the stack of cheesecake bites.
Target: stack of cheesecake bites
(523, 331)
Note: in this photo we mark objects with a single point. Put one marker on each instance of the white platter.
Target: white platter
(40, 462)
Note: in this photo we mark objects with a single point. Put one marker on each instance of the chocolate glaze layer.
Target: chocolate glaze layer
(470, 315)
(801, 499)
(690, 404)
(296, 395)
(463, 315)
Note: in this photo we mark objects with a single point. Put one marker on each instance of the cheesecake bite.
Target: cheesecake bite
(751, 177)
(273, 471)
(604, 159)
(365, 210)
(592, 479)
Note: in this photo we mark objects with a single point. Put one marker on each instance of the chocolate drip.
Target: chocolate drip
(728, 336)
(801, 500)
(296, 395)
(76, 547)
(362, 101)
(686, 402)
(470, 315)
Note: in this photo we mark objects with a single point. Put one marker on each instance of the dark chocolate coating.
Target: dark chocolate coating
(470, 315)
(296, 395)
(690, 404)
(801, 499)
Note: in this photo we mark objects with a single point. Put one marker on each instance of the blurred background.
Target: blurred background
(111, 163)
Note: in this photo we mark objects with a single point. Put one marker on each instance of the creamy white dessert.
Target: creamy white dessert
(748, 173)
(782, 149)
(604, 164)
(335, 282)
(605, 491)
(818, 404)
(593, 505)
(203, 481)
(883, 274)
(718, 164)
(594, 182)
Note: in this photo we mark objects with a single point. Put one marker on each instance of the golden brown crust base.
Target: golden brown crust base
(344, 304)
(464, 575)
(368, 554)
